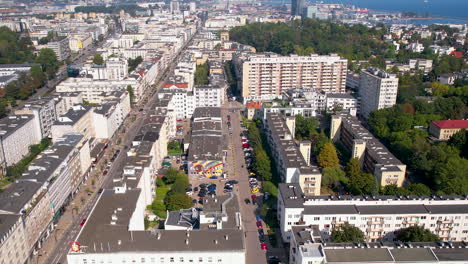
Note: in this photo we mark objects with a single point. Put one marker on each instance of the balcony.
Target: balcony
(375, 222)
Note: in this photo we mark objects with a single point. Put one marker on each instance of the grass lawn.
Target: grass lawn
(174, 152)
(158, 206)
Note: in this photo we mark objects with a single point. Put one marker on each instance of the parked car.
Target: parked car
(83, 222)
(259, 224)
(213, 177)
(212, 187)
(263, 246)
(254, 199)
(233, 182)
(255, 190)
(247, 201)
(195, 189)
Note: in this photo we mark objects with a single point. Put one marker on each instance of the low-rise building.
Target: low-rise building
(206, 154)
(445, 129)
(378, 217)
(373, 155)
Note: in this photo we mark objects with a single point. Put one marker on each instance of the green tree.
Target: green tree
(460, 141)
(362, 184)
(353, 168)
(98, 60)
(305, 127)
(131, 93)
(262, 164)
(347, 233)
(393, 189)
(175, 201)
(419, 189)
(48, 61)
(38, 76)
(318, 141)
(201, 74)
(333, 177)
(171, 175)
(133, 63)
(269, 187)
(416, 234)
(328, 156)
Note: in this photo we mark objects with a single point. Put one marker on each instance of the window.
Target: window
(171, 259)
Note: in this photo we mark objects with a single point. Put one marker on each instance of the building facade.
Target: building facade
(269, 74)
(445, 129)
(378, 89)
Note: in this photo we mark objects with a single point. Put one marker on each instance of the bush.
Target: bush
(347, 233)
(416, 234)
(160, 182)
(176, 201)
(270, 188)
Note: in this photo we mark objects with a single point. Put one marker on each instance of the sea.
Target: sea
(442, 11)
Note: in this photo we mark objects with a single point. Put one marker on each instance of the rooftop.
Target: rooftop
(451, 124)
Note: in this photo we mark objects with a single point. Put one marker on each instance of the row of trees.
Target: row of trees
(349, 233)
(14, 49)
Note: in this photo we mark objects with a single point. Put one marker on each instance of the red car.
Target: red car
(259, 224)
(264, 246)
(254, 198)
(245, 145)
(83, 222)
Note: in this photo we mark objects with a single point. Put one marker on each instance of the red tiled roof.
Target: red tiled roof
(457, 54)
(255, 105)
(178, 85)
(447, 124)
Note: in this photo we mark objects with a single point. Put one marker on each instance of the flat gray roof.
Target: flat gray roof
(358, 255)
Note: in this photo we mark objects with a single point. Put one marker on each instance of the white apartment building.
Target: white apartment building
(78, 119)
(343, 101)
(13, 239)
(269, 74)
(64, 101)
(415, 47)
(44, 112)
(307, 247)
(378, 89)
(91, 89)
(17, 133)
(378, 217)
(78, 42)
(61, 47)
(109, 116)
(113, 69)
(182, 102)
(208, 96)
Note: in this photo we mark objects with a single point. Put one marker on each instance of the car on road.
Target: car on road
(247, 201)
(83, 222)
(263, 246)
(104, 172)
(232, 182)
(195, 189)
(255, 190)
(259, 224)
(254, 199)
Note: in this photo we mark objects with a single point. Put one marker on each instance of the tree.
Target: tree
(262, 164)
(305, 127)
(333, 177)
(48, 61)
(362, 184)
(460, 141)
(347, 233)
(353, 168)
(131, 93)
(269, 187)
(98, 60)
(38, 76)
(393, 189)
(416, 234)
(328, 156)
(133, 63)
(171, 175)
(318, 141)
(201, 74)
(175, 201)
(419, 189)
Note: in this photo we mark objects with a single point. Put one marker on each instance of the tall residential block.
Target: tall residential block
(378, 90)
(297, 7)
(268, 75)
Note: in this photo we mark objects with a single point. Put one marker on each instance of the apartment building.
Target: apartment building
(61, 47)
(375, 158)
(343, 101)
(267, 74)
(293, 160)
(113, 69)
(78, 119)
(379, 90)
(378, 217)
(445, 129)
(44, 112)
(91, 89)
(111, 113)
(307, 247)
(206, 153)
(13, 240)
(16, 135)
(64, 101)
